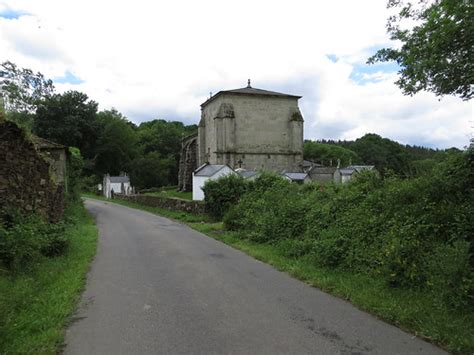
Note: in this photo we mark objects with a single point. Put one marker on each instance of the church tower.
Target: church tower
(251, 128)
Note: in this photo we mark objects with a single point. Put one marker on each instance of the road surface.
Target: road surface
(159, 287)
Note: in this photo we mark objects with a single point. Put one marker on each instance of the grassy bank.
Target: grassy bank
(172, 193)
(35, 305)
(411, 310)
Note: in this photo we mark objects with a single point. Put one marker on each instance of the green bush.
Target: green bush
(221, 194)
(25, 240)
(413, 233)
(267, 181)
(74, 169)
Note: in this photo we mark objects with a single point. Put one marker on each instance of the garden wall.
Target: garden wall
(25, 180)
(169, 203)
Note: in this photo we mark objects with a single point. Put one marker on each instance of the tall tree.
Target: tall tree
(384, 153)
(325, 153)
(437, 53)
(22, 89)
(69, 119)
(152, 170)
(117, 143)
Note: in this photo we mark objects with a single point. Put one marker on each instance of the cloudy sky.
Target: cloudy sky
(161, 59)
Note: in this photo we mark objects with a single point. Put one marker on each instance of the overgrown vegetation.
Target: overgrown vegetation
(413, 233)
(414, 236)
(221, 194)
(168, 191)
(408, 241)
(43, 271)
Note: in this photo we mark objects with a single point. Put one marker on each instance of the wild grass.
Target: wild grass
(172, 192)
(35, 305)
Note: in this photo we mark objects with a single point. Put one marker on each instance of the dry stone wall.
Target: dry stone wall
(169, 203)
(25, 182)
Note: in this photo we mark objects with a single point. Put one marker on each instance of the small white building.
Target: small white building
(117, 184)
(299, 178)
(207, 172)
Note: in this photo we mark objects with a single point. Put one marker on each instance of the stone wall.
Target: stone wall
(187, 163)
(169, 203)
(25, 181)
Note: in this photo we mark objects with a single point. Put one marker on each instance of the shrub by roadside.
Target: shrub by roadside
(413, 233)
(24, 241)
(221, 194)
(43, 271)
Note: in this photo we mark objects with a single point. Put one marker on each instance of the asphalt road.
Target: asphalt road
(159, 287)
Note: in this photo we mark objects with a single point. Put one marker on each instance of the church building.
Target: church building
(247, 128)
(253, 129)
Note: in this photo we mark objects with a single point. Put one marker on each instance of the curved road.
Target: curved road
(159, 287)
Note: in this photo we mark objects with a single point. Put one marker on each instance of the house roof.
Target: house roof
(347, 171)
(249, 91)
(296, 176)
(355, 168)
(119, 179)
(208, 169)
(360, 168)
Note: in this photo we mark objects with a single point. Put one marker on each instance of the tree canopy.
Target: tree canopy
(69, 119)
(327, 153)
(437, 53)
(116, 146)
(22, 89)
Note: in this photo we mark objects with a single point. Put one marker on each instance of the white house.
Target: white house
(207, 172)
(117, 184)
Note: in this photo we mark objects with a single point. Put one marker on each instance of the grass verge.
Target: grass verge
(412, 311)
(35, 306)
(172, 192)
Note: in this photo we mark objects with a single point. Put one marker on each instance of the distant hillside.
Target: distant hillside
(385, 154)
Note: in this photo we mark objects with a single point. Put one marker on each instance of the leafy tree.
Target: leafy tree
(69, 119)
(165, 138)
(437, 52)
(117, 143)
(384, 153)
(151, 170)
(324, 153)
(22, 89)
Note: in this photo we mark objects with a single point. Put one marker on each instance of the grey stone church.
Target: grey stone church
(246, 128)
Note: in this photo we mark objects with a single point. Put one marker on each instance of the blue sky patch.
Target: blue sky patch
(332, 57)
(361, 71)
(10, 14)
(68, 78)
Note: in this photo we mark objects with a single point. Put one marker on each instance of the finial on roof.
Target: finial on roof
(248, 84)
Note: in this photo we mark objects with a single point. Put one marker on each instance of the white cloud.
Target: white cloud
(162, 58)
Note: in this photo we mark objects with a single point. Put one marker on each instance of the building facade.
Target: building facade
(116, 185)
(252, 129)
